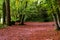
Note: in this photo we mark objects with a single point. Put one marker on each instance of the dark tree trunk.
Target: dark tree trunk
(4, 12)
(8, 19)
(58, 12)
(22, 19)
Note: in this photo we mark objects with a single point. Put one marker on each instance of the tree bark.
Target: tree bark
(56, 20)
(8, 18)
(4, 12)
(22, 19)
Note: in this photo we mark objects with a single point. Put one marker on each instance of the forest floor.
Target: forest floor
(30, 31)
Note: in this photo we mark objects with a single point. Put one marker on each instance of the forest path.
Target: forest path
(30, 31)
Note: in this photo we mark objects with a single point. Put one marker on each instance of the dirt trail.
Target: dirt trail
(30, 31)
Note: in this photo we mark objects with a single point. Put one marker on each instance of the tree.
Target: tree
(4, 12)
(23, 15)
(8, 19)
(54, 10)
(56, 14)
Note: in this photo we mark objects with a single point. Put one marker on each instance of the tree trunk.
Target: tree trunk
(22, 19)
(8, 18)
(4, 12)
(23, 15)
(56, 20)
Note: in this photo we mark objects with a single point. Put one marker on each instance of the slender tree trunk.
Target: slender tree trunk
(56, 20)
(23, 16)
(58, 13)
(22, 19)
(4, 12)
(8, 19)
